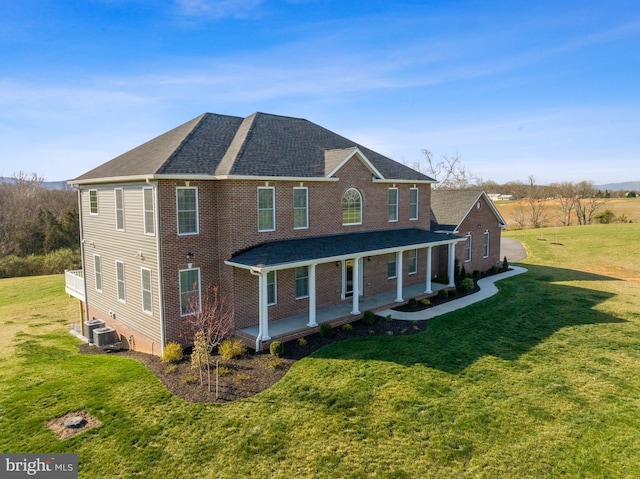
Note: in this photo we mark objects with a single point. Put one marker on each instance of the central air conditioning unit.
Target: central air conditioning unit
(103, 337)
(90, 326)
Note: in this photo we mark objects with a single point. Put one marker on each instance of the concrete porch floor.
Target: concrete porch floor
(296, 326)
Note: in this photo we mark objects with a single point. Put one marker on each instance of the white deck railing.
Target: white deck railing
(74, 283)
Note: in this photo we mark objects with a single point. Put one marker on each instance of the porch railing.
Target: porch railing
(74, 283)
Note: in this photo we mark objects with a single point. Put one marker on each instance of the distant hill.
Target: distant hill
(626, 186)
(50, 185)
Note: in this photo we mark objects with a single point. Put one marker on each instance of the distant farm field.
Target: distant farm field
(540, 380)
(629, 207)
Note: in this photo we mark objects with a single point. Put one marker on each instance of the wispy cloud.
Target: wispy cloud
(217, 9)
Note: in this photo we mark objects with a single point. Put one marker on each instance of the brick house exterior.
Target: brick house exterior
(284, 216)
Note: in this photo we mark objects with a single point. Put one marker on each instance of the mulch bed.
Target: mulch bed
(255, 372)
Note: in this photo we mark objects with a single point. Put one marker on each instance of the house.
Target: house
(472, 214)
(297, 225)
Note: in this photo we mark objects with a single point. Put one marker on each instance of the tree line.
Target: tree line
(36, 222)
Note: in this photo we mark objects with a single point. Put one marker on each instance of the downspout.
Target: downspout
(259, 337)
(159, 256)
(82, 261)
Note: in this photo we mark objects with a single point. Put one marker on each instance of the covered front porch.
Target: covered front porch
(297, 326)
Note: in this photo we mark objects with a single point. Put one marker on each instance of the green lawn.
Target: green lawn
(541, 380)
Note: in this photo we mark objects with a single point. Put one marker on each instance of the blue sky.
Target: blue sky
(549, 88)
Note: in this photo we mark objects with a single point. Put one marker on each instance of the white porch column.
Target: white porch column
(312, 296)
(264, 307)
(452, 258)
(356, 286)
(399, 277)
(427, 288)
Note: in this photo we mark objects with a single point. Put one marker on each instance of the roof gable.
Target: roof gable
(450, 207)
(336, 159)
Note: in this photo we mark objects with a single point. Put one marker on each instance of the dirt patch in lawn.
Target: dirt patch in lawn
(84, 422)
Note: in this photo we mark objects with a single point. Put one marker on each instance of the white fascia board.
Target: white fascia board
(330, 259)
(273, 178)
(139, 178)
(364, 160)
(391, 180)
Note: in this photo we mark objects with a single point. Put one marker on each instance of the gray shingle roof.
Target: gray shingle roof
(287, 252)
(450, 207)
(259, 145)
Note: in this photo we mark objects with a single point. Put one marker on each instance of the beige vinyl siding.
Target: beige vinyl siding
(132, 247)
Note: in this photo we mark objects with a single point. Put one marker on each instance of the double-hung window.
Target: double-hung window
(119, 192)
(266, 208)
(190, 294)
(393, 204)
(413, 204)
(486, 244)
(469, 244)
(147, 298)
(412, 261)
(392, 271)
(302, 282)
(300, 208)
(272, 290)
(149, 211)
(187, 209)
(97, 271)
(121, 290)
(93, 202)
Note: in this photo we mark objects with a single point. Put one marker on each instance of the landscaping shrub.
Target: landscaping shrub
(413, 302)
(368, 317)
(276, 348)
(495, 269)
(326, 330)
(275, 363)
(476, 274)
(426, 301)
(231, 348)
(189, 378)
(172, 353)
(443, 294)
(466, 285)
(347, 327)
(505, 263)
(302, 342)
(36, 265)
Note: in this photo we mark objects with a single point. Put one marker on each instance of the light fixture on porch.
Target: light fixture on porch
(337, 263)
(368, 258)
(190, 256)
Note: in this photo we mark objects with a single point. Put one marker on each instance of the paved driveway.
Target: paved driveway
(512, 249)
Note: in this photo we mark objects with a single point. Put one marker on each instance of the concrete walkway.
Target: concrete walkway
(487, 289)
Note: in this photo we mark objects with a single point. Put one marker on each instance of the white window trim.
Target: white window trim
(153, 211)
(275, 288)
(306, 208)
(487, 244)
(395, 261)
(142, 270)
(415, 271)
(180, 291)
(469, 251)
(417, 190)
(296, 282)
(273, 210)
(95, 272)
(115, 195)
(97, 203)
(124, 282)
(361, 207)
(197, 231)
(395, 220)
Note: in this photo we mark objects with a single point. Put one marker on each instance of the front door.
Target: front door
(347, 277)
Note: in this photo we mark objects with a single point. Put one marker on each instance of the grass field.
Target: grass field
(541, 380)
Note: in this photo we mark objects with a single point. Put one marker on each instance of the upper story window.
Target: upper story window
(187, 209)
(190, 293)
(469, 243)
(486, 244)
(266, 208)
(300, 208)
(93, 202)
(351, 207)
(119, 192)
(393, 204)
(149, 211)
(413, 204)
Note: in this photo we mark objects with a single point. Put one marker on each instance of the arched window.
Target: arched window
(351, 207)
